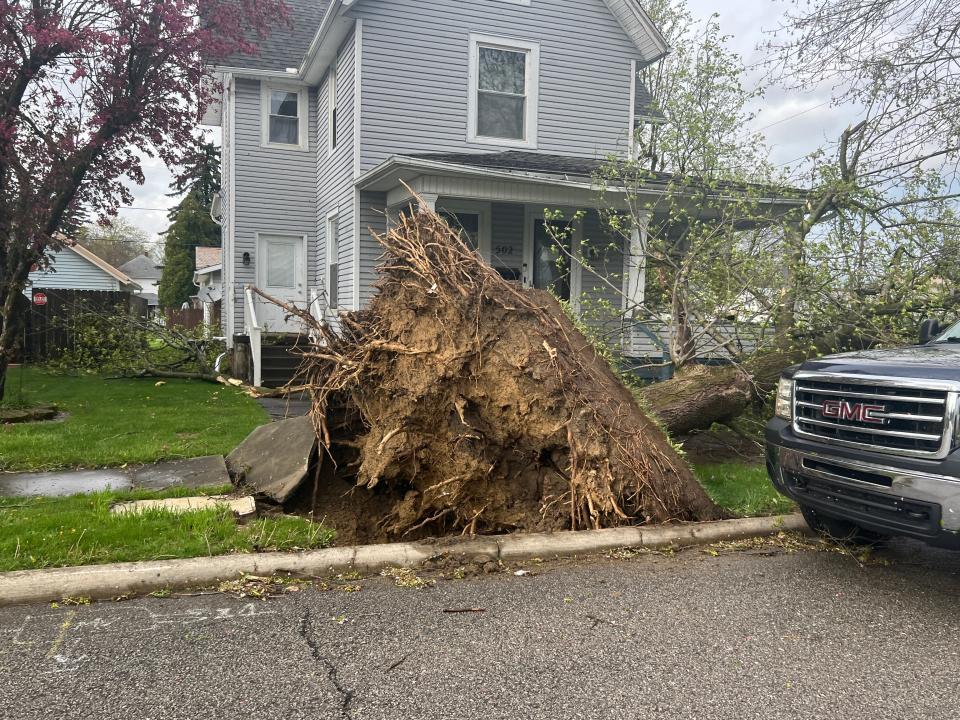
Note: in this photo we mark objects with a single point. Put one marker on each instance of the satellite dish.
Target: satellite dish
(210, 294)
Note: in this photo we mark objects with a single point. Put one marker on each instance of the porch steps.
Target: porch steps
(280, 356)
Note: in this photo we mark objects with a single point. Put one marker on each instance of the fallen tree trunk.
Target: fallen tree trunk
(701, 395)
(698, 397)
(460, 403)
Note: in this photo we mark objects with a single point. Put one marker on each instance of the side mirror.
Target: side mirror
(929, 329)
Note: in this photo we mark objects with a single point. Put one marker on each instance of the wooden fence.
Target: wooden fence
(51, 314)
(188, 319)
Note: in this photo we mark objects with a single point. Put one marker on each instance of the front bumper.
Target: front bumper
(884, 493)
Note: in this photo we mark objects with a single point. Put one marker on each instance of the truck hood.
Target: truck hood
(939, 361)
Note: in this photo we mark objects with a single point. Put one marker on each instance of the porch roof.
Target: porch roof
(538, 177)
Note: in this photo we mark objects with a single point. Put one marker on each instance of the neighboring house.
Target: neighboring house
(76, 268)
(207, 278)
(70, 283)
(146, 272)
(488, 110)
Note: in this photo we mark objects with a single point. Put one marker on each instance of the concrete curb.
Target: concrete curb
(104, 581)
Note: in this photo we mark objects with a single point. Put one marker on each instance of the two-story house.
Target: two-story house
(489, 111)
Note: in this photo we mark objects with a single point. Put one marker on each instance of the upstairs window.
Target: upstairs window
(332, 110)
(504, 92)
(284, 117)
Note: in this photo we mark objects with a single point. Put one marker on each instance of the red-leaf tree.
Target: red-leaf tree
(88, 87)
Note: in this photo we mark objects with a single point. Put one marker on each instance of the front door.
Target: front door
(549, 263)
(281, 273)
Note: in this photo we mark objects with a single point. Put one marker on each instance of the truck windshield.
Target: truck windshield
(950, 335)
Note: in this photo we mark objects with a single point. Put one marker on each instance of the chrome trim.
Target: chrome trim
(949, 414)
(882, 380)
(793, 461)
(885, 416)
(904, 398)
(871, 431)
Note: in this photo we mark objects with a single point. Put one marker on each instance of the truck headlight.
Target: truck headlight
(784, 404)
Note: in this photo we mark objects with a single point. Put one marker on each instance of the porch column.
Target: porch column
(637, 265)
(428, 201)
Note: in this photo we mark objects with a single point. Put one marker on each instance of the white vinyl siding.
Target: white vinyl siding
(420, 105)
(272, 191)
(334, 175)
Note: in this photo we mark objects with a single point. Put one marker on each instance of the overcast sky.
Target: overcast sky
(793, 123)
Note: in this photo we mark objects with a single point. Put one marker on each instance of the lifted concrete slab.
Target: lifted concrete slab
(62, 484)
(274, 458)
(241, 506)
(285, 408)
(209, 471)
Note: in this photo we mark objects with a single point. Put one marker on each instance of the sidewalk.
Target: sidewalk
(209, 471)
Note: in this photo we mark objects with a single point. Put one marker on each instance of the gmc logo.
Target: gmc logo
(860, 412)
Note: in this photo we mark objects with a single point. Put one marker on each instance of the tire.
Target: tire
(839, 529)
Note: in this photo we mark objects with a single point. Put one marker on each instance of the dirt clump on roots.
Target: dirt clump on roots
(458, 402)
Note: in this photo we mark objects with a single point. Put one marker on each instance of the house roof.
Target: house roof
(582, 169)
(101, 263)
(207, 257)
(560, 171)
(142, 268)
(285, 46)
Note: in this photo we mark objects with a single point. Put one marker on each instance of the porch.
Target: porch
(534, 218)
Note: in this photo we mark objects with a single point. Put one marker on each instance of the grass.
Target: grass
(118, 422)
(80, 530)
(744, 490)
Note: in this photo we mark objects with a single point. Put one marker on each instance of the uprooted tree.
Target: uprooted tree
(460, 402)
(86, 88)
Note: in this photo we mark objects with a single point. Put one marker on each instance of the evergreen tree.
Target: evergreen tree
(190, 224)
(192, 228)
(200, 176)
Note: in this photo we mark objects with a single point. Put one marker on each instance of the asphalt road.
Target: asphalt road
(742, 635)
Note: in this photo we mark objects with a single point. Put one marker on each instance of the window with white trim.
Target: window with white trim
(333, 259)
(504, 91)
(332, 110)
(284, 116)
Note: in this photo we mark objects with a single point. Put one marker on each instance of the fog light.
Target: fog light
(784, 405)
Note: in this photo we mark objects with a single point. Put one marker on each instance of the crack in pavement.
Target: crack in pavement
(306, 632)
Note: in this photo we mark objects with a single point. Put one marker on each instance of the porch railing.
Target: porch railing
(255, 333)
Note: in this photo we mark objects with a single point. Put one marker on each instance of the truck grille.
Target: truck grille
(883, 418)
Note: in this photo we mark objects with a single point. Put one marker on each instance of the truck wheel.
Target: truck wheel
(839, 529)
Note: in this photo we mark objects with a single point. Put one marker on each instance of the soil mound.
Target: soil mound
(459, 402)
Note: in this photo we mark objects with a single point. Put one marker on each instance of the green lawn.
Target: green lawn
(744, 490)
(116, 422)
(80, 530)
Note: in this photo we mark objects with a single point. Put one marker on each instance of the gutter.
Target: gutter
(333, 12)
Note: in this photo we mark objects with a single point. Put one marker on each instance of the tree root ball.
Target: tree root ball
(459, 402)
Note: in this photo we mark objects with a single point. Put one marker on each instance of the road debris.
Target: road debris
(240, 506)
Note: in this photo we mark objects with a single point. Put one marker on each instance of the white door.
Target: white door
(550, 257)
(281, 273)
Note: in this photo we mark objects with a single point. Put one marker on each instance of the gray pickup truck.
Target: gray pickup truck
(868, 443)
